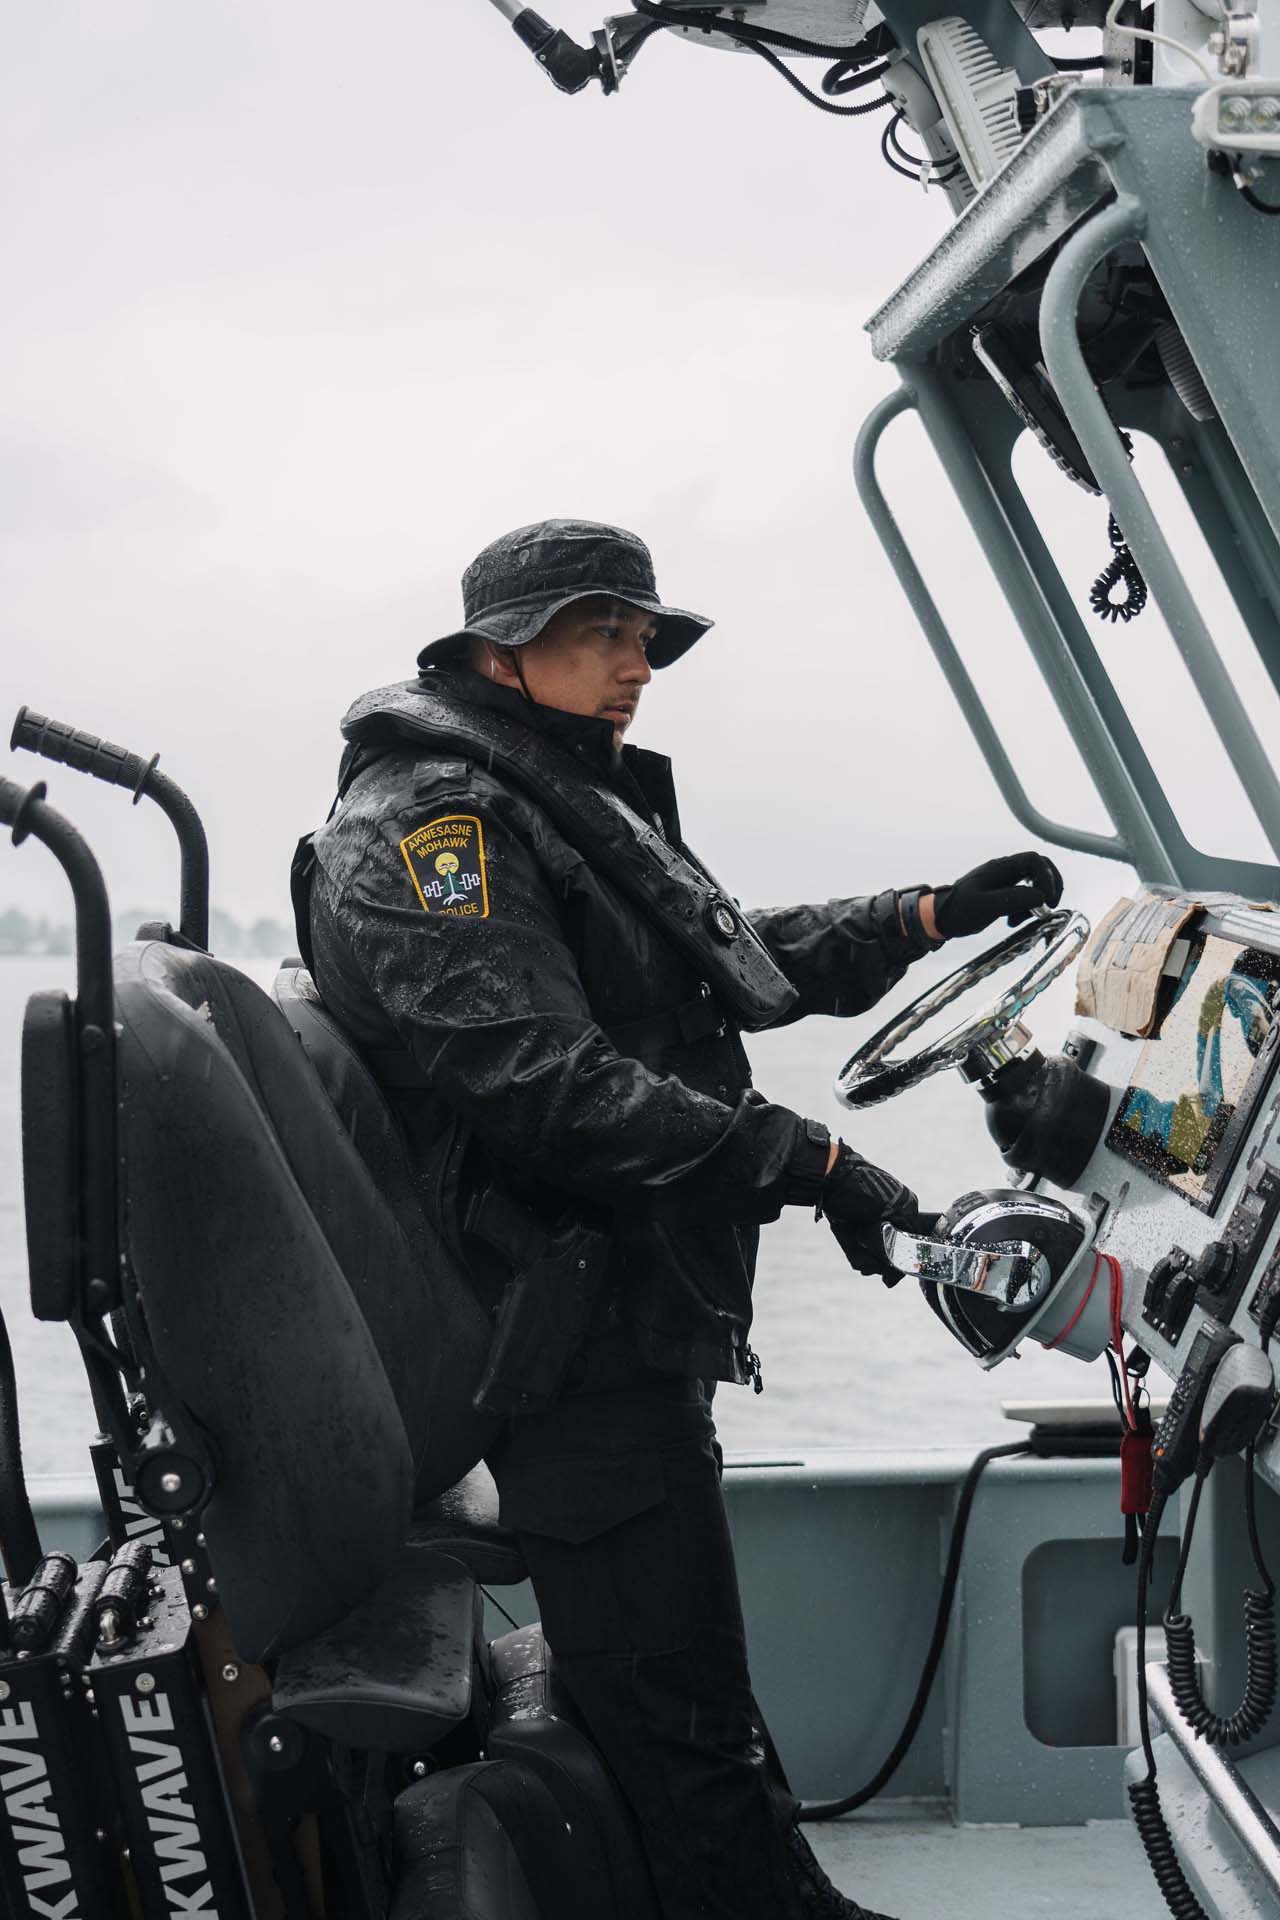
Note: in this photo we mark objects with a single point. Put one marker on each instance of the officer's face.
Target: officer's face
(590, 659)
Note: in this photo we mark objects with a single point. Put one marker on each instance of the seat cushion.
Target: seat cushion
(486, 1842)
(464, 1522)
(397, 1673)
(533, 1722)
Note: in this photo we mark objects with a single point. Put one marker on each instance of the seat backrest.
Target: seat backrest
(459, 1435)
(271, 1294)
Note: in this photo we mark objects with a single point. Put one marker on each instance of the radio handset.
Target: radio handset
(1175, 1448)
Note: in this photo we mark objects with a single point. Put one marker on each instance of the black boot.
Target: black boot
(818, 1898)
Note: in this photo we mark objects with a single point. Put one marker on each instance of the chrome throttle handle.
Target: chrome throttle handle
(1009, 1273)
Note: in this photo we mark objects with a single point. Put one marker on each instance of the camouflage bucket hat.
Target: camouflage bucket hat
(515, 586)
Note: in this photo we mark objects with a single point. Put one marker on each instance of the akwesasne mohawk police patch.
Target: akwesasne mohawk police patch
(447, 866)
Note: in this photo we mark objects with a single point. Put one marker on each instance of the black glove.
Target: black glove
(978, 899)
(857, 1198)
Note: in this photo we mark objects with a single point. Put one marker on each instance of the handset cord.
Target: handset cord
(1217, 1730)
(1144, 1795)
(1255, 1709)
(833, 1809)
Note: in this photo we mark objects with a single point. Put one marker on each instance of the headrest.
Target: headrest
(275, 1292)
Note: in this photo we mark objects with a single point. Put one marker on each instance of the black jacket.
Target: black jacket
(561, 1039)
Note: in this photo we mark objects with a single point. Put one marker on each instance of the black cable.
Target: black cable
(815, 99)
(1189, 1527)
(889, 160)
(1255, 1709)
(833, 1809)
(913, 160)
(1116, 1393)
(1086, 65)
(848, 75)
(888, 140)
(764, 40)
(916, 161)
(1144, 1795)
(747, 32)
(1121, 570)
(1251, 1517)
(1251, 199)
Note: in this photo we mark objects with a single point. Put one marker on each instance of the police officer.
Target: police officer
(503, 903)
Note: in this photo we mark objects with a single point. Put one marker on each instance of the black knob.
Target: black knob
(1165, 1271)
(1214, 1267)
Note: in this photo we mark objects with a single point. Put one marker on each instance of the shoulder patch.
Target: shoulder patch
(446, 863)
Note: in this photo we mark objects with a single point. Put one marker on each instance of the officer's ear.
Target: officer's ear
(499, 664)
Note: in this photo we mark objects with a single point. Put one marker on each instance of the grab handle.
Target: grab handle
(87, 753)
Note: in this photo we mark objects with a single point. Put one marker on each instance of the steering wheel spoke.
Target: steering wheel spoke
(872, 1074)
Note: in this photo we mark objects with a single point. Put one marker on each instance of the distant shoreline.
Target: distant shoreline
(25, 938)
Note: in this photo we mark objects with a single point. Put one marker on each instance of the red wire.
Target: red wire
(1117, 1332)
(1088, 1295)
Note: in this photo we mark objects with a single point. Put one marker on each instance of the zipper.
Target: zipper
(754, 1374)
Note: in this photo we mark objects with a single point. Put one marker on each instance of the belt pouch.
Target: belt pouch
(541, 1322)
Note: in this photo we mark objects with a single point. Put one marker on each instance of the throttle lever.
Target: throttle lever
(1008, 1273)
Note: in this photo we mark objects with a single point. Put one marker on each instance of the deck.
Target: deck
(914, 1865)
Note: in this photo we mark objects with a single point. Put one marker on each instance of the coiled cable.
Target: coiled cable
(1144, 1795)
(1121, 570)
(1254, 1711)
(1157, 1842)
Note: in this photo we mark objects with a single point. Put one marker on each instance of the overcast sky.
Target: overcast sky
(305, 303)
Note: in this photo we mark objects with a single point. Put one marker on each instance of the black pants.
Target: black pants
(616, 1500)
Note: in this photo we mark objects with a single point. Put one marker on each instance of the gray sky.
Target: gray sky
(306, 303)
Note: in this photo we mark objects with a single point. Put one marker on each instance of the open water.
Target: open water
(846, 1362)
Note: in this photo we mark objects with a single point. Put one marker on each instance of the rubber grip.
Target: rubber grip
(11, 799)
(55, 740)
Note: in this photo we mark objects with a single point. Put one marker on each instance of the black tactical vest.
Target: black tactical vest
(667, 886)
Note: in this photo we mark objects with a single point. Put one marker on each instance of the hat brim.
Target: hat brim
(516, 626)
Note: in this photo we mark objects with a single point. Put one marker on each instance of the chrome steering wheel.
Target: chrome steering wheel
(871, 1075)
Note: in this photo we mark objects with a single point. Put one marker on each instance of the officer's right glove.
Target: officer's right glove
(857, 1199)
(1013, 885)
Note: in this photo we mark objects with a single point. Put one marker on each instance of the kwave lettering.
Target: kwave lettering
(163, 1781)
(37, 1834)
(139, 1525)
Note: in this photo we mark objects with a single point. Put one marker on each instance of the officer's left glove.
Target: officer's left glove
(857, 1199)
(1013, 885)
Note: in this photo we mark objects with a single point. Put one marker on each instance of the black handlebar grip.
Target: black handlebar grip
(11, 799)
(69, 747)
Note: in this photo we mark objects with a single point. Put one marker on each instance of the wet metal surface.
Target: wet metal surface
(920, 1868)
